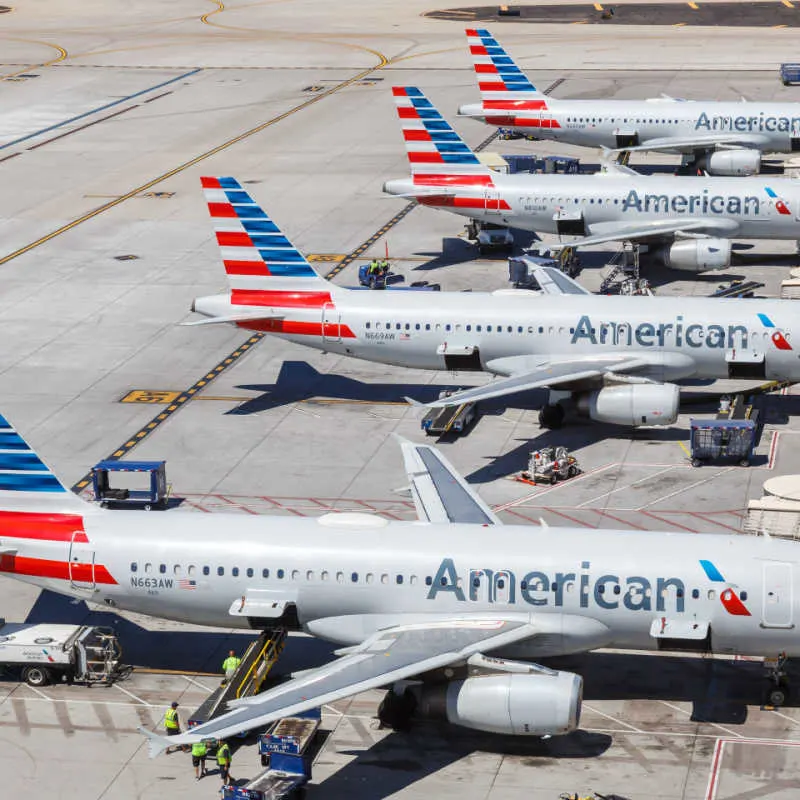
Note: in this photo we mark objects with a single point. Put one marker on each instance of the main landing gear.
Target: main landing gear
(777, 688)
(396, 710)
(552, 416)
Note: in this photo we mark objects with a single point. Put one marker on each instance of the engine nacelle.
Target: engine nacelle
(695, 255)
(635, 404)
(517, 704)
(731, 162)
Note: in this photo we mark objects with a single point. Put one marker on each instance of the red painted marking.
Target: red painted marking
(619, 519)
(478, 50)
(781, 206)
(210, 183)
(453, 180)
(58, 570)
(472, 32)
(463, 202)
(246, 267)
(411, 135)
(399, 91)
(407, 112)
(773, 449)
(234, 239)
(494, 86)
(733, 605)
(42, 527)
(221, 210)
(780, 342)
(434, 157)
(709, 518)
(515, 105)
(485, 68)
(296, 327)
(581, 523)
(494, 120)
(258, 297)
(669, 522)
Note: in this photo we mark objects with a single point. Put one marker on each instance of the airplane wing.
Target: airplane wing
(700, 141)
(392, 654)
(641, 231)
(554, 281)
(440, 493)
(545, 375)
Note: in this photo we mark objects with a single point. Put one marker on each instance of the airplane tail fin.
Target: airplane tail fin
(436, 153)
(262, 265)
(25, 480)
(503, 85)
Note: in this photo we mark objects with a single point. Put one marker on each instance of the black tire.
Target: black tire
(395, 711)
(572, 471)
(777, 697)
(36, 675)
(553, 479)
(745, 462)
(551, 417)
(696, 462)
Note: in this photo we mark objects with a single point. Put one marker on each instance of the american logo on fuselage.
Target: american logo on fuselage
(741, 124)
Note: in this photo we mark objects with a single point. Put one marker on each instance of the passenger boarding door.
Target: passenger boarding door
(492, 200)
(331, 324)
(778, 596)
(81, 563)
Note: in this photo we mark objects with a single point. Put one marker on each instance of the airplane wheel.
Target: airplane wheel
(777, 697)
(395, 711)
(551, 417)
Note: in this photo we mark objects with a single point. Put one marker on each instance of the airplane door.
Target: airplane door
(778, 596)
(81, 563)
(331, 323)
(492, 200)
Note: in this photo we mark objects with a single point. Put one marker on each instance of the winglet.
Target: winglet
(414, 403)
(156, 744)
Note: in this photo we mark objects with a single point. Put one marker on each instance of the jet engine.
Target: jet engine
(734, 163)
(542, 704)
(634, 404)
(695, 255)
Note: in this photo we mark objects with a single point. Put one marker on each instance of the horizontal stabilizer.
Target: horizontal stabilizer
(251, 317)
(156, 744)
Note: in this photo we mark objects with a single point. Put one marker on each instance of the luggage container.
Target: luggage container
(714, 439)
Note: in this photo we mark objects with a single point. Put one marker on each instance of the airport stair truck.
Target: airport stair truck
(258, 660)
(44, 654)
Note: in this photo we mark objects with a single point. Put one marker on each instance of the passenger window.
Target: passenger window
(428, 580)
(206, 570)
(235, 572)
(742, 595)
(417, 326)
(220, 571)
(368, 326)
(408, 326)
(265, 573)
(162, 568)
(427, 326)
(519, 329)
(469, 327)
(280, 573)
(397, 326)
(478, 328)
(134, 566)
(399, 580)
(354, 577)
(447, 327)
(695, 594)
(249, 572)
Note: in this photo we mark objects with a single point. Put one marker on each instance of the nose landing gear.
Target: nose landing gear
(776, 685)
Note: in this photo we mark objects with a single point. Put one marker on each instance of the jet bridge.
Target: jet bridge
(257, 662)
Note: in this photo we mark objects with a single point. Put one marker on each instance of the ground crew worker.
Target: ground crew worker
(172, 723)
(384, 264)
(374, 267)
(224, 762)
(199, 753)
(230, 665)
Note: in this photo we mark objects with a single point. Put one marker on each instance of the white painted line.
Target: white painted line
(41, 694)
(785, 716)
(622, 488)
(131, 694)
(613, 719)
(71, 701)
(685, 489)
(197, 683)
(713, 724)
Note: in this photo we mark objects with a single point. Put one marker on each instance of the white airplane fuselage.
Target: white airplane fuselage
(740, 208)
(600, 123)
(687, 337)
(350, 575)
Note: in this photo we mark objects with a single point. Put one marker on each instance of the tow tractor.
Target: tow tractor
(44, 654)
(490, 237)
(450, 419)
(550, 465)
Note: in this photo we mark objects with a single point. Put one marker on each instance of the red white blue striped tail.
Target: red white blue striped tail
(257, 255)
(500, 80)
(25, 477)
(436, 153)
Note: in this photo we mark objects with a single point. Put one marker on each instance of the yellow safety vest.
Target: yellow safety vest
(171, 719)
(231, 662)
(224, 755)
(199, 749)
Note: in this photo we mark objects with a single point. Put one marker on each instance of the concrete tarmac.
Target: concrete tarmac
(110, 115)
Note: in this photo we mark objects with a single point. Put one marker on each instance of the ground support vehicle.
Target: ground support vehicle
(550, 465)
(490, 237)
(790, 73)
(44, 654)
(156, 496)
(378, 280)
(450, 419)
(732, 435)
(285, 752)
(258, 660)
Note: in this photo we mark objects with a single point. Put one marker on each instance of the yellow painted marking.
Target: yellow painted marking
(119, 453)
(140, 434)
(598, 7)
(579, 22)
(62, 54)
(312, 257)
(679, 24)
(788, 4)
(131, 443)
(152, 425)
(694, 6)
(200, 383)
(172, 407)
(150, 396)
(780, 26)
(685, 449)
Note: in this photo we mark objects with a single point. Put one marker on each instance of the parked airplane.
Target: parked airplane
(688, 222)
(612, 354)
(723, 138)
(424, 600)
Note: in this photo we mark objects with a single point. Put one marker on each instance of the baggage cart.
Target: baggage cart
(713, 439)
(156, 495)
